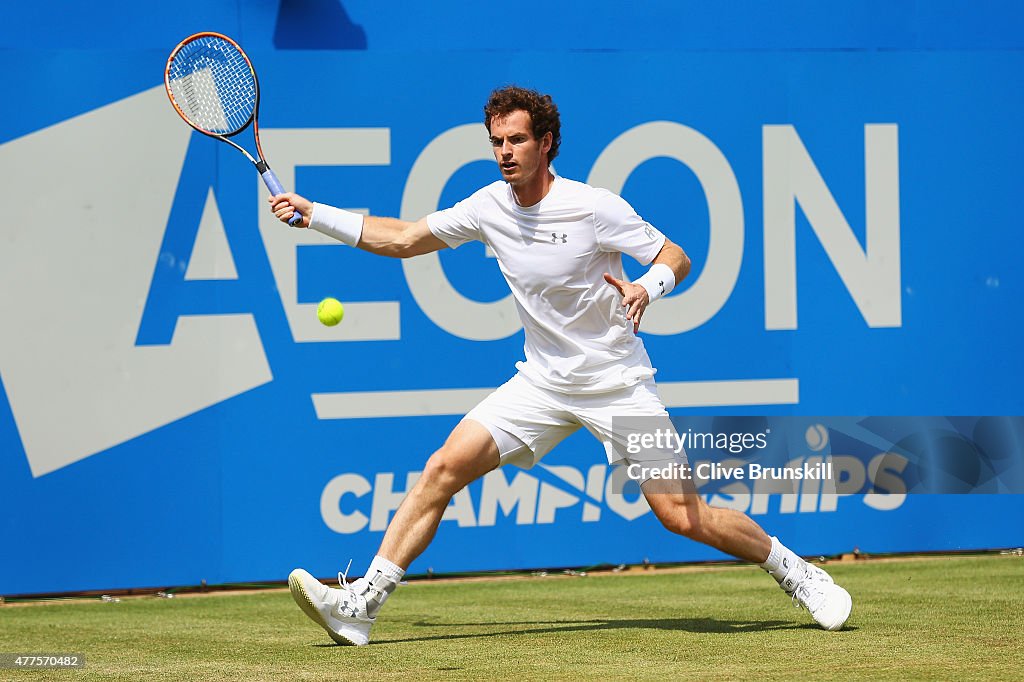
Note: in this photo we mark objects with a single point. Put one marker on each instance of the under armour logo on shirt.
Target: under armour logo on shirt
(555, 238)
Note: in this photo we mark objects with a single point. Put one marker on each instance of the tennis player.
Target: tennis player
(559, 243)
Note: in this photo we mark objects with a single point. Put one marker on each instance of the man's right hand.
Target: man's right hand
(284, 206)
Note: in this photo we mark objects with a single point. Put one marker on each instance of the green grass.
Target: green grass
(918, 619)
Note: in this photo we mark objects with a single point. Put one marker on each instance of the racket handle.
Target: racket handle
(274, 185)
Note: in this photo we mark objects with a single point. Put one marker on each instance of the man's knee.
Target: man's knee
(444, 473)
(467, 455)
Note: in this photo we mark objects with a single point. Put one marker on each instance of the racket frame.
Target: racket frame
(273, 184)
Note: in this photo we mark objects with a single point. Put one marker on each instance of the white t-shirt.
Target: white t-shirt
(554, 255)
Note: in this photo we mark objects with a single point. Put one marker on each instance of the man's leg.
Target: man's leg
(681, 510)
(468, 454)
(687, 514)
(615, 418)
(347, 614)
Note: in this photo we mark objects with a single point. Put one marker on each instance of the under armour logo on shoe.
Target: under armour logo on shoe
(347, 609)
(555, 238)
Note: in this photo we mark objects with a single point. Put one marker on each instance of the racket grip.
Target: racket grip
(274, 185)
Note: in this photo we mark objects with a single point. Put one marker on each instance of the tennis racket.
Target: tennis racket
(213, 87)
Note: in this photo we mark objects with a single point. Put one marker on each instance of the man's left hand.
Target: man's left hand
(634, 298)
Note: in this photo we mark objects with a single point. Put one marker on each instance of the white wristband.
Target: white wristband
(658, 281)
(345, 226)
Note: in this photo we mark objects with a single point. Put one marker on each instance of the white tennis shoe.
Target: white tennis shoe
(802, 571)
(341, 612)
(813, 589)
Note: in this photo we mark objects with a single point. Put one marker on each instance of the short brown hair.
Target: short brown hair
(542, 110)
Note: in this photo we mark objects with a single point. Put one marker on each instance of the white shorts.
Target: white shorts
(527, 421)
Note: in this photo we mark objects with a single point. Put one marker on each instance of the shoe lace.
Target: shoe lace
(807, 595)
(343, 578)
(350, 599)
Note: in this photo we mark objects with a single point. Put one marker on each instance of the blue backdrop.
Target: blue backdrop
(846, 180)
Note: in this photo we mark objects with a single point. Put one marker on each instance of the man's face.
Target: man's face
(519, 154)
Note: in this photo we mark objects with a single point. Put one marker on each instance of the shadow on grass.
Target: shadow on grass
(697, 625)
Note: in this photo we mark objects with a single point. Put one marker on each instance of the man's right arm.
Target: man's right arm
(398, 238)
(382, 236)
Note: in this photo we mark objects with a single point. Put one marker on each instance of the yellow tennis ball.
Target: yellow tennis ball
(330, 311)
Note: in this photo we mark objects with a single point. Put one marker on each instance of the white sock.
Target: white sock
(391, 571)
(382, 578)
(784, 565)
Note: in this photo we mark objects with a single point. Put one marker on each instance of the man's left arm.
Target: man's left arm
(668, 268)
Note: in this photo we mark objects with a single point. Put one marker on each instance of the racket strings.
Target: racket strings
(213, 85)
